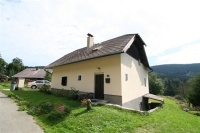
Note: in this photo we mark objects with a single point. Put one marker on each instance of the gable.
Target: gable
(137, 51)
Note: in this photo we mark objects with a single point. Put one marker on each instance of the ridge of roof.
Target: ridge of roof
(108, 47)
(30, 73)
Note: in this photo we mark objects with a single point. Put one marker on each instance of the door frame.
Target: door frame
(95, 84)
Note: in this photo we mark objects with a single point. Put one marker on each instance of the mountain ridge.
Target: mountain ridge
(178, 70)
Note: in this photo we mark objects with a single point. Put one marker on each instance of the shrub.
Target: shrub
(197, 108)
(60, 92)
(45, 89)
(71, 94)
(21, 103)
(179, 97)
(54, 115)
(33, 110)
(45, 107)
(194, 113)
(60, 112)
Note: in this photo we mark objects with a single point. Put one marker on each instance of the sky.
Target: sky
(41, 31)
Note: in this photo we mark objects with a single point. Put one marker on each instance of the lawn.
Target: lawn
(4, 85)
(170, 118)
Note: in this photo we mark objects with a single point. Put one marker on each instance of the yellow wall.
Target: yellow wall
(109, 65)
(134, 87)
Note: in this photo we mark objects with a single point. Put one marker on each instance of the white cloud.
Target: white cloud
(187, 54)
(45, 30)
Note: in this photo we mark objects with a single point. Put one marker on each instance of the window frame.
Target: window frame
(79, 77)
(64, 81)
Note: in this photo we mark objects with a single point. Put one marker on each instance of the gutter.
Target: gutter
(47, 71)
(151, 69)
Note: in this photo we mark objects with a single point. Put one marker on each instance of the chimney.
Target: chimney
(90, 40)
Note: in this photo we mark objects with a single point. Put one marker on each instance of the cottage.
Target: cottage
(29, 74)
(115, 70)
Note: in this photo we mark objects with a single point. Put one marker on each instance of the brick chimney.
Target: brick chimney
(90, 40)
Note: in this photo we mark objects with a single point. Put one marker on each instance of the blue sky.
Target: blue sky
(41, 31)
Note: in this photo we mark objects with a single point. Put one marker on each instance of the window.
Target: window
(126, 77)
(39, 81)
(46, 81)
(145, 82)
(64, 81)
(79, 77)
(107, 80)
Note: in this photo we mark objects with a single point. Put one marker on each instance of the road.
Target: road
(13, 121)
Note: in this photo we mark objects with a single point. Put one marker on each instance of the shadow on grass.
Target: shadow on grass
(44, 119)
(82, 112)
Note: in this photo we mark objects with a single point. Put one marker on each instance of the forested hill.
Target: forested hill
(177, 69)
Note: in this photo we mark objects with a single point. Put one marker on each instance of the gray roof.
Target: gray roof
(113, 46)
(30, 73)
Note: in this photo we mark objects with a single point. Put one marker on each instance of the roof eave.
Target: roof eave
(118, 52)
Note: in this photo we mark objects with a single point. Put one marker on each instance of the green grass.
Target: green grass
(170, 118)
(4, 85)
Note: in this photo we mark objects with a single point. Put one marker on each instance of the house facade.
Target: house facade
(115, 70)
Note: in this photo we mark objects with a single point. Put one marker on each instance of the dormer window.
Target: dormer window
(97, 48)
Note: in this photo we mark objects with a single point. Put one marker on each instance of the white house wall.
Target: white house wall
(109, 65)
(134, 87)
(21, 82)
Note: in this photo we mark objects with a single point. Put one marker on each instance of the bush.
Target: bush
(45, 89)
(194, 113)
(197, 108)
(179, 97)
(71, 94)
(54, 115)
(45, 107)
(60, 92)
(60, 112)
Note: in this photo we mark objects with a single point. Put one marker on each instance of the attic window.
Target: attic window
(97, 48)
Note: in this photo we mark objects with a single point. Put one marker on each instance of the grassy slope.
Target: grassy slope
(171, 119)
(109, 119)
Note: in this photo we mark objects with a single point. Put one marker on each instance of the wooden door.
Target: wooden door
(99, 86)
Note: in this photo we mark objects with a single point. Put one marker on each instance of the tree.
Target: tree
(183, 90)
(156, 85)
(47, 76)
(170, 88)
(17, 61)
(15, 67)
(194, 91)
(3, 65)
